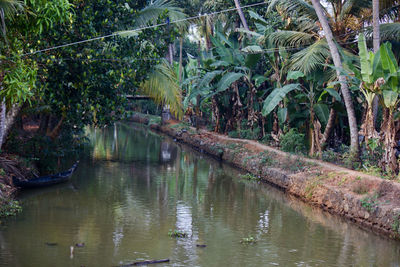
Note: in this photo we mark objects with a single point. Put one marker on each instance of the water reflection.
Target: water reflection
(137, 186)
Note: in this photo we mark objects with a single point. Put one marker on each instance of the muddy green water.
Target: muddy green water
(136, 186)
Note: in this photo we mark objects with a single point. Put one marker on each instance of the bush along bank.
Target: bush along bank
(369, 201)
(11, 165)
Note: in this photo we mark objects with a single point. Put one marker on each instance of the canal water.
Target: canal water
(136, 187)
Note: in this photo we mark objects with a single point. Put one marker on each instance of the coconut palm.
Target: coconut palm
(163, 83)
(302, 30)
(342, 79)
(7, 10)
(163, 86)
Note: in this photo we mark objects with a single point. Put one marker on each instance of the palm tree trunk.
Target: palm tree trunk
(171, 54)
(241, 15)
(376, 37)
(355, 148)
(180, 59)
(375, 24)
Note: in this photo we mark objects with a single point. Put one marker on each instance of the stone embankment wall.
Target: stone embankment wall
(371, 202)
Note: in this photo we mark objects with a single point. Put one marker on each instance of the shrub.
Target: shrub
(293, 141)
(233, 134)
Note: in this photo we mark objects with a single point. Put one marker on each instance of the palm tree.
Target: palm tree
(342, 79)
(163, 86)
(163, 83)
(302, 30)
(7, 10)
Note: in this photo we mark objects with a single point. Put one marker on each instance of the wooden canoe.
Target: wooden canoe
(46, 180)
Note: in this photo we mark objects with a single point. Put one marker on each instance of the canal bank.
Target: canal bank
(370, 202)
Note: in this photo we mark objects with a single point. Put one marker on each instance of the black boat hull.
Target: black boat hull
(43, 181)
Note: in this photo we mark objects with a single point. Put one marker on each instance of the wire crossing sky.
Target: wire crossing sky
(141, 28)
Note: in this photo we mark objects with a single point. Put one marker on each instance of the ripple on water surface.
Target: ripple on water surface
(136, 187)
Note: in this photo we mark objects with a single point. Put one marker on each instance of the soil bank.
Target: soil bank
(370, 202)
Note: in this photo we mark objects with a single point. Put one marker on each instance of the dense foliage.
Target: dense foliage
(277, 81)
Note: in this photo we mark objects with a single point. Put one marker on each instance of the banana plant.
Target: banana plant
(370, 77)
(222, 70)
(314, 106)
(390, 96)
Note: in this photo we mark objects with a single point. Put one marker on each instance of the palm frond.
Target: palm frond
(390, 31)
(152, 12)
(389, 9)
(354, 7)
(295, 8)
(10, 7)
(163, 87)
(291, 38)
(311, 58)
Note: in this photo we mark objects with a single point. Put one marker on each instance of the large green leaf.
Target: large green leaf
(366, 68)
(252, 49)
(282, 115)
(219, 63)
(389, 64)
(259, 79)
(333, 93)
(294, 75)
(205, 81)
(322, 112)
(389, 98)
(251, 60)
(258, 18)
(227, 80)
(277, 96)
(388, 59)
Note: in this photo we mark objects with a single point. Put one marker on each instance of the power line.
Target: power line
(141, 29)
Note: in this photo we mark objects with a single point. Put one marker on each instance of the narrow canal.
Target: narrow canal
(136, 186)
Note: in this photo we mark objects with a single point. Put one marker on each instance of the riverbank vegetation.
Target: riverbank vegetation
(294, 74)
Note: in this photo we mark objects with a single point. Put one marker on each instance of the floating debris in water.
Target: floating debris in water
(177, 233)
(201, 246)
(144, 263)
(51, 244)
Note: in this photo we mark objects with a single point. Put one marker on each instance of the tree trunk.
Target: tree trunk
(237, 106)
(329, 126)
(9, 121)
(216, 113)
(389, 161)
(252, 117)
(171, 54)
(180, 59)
(377, 40)
(315, 134)
(368, 126)
(55, 132)
(3, 25)
(241, 15)
(355, 148)
(375, 25)
(3, 121)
